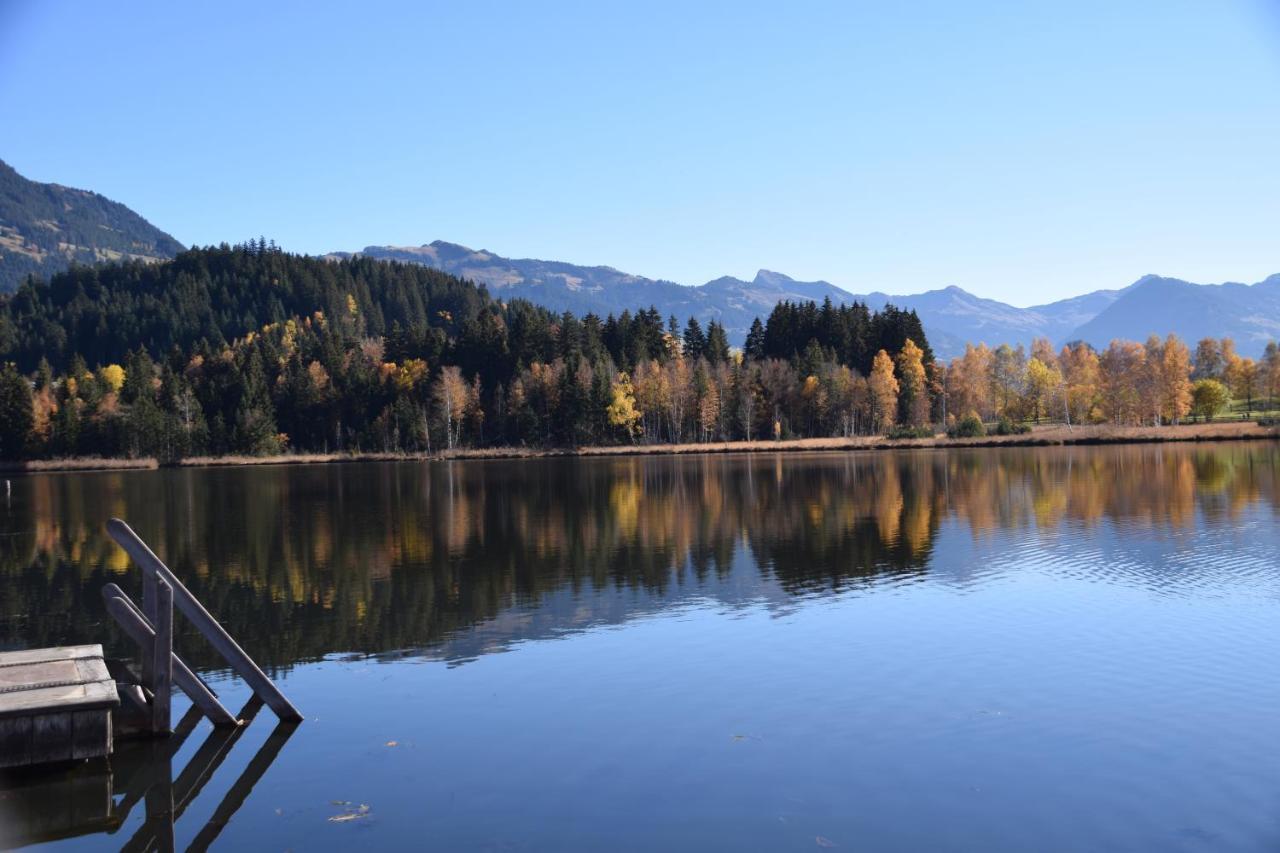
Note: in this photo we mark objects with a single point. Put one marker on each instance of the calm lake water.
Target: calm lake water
(1022, 649)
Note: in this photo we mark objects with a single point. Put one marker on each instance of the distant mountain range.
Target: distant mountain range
(952, 316)
(46, 227)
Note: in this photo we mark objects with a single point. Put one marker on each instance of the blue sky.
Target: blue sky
(1024, 151)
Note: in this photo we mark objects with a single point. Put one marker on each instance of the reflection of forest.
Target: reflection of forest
(303, 561)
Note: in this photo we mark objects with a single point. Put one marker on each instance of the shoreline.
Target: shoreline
(1045, 436)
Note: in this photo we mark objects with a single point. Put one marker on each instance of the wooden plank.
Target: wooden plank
(90, 734)
(76, 697)
(53, 653)
(15, 742)
(39, 672)
(128, 617)
(93, 669)
(51, 737)
(214, 632)
(162, 658)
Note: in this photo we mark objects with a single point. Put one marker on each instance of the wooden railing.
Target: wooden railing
(151, 627)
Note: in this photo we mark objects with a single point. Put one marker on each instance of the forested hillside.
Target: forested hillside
(248, 349)
(44, 228)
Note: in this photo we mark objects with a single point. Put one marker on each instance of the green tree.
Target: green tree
(16, 413)
(1208, 397)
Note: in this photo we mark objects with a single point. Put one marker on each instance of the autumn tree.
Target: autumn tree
(1175, 384)
(1208, 360)
(883, 386)
(1270, 371)
(913, 401)
(1119, 369)
(1008, 368)
(1079, 365)
(968, 384)
(1043, 383)
(1241, 376)
(452, 394)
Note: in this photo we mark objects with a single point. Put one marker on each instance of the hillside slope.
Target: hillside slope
(44, 228)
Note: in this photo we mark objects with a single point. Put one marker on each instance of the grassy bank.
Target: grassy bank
(1048, 435)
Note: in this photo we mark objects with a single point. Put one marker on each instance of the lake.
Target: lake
(992, 649)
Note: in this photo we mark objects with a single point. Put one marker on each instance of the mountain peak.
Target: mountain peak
(772, 278)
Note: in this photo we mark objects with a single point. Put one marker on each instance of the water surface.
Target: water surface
(1028, 648)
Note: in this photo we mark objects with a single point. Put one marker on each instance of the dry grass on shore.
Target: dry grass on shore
(82, 463)
(1047, 435)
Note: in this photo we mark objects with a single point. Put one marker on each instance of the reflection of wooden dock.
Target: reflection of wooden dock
(55, 705)
(98, 797)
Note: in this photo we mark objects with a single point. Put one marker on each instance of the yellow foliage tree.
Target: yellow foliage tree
(913, 384)
(1043, 382)
(112, 376)
(884, 391)
(1175, 383)
(621, 411)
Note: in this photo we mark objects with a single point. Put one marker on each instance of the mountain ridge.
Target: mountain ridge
(952, 316)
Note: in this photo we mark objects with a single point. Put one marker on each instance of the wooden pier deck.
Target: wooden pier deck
(55, 705)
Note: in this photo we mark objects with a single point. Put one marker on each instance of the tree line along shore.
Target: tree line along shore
(248, 352)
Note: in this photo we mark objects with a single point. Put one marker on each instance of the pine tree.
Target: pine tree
(695, 342)
(16, 413)
(754, 349)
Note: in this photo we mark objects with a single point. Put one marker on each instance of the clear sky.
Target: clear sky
(1025, 151)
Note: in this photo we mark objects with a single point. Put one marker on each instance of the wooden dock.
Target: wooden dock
(55, 705)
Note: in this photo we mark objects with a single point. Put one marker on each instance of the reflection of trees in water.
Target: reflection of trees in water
(306, 560)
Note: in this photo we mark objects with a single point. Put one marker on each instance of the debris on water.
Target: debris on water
(392, 743)
(825, 842)
(352, 814)
(737, 738)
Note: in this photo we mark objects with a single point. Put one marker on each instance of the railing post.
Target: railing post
(150, 605)
(162, 658)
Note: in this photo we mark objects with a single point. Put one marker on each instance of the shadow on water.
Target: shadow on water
(40, 806)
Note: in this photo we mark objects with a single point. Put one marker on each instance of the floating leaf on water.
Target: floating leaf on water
(825, 842)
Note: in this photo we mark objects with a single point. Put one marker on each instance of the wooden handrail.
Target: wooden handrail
(130, 618)
(230, 650)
